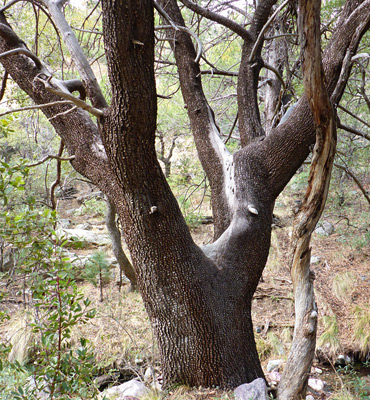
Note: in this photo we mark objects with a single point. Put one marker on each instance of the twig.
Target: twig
(354, 131)
(276, 72)
(354, 116)
(354, 177)
(49, 157)
(191, 33)
(35, 107)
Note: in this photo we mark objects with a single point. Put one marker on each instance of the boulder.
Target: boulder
(84, 235)
(132, 388)
(256, 390)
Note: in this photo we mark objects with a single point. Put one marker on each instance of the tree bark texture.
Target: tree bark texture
(198, 299)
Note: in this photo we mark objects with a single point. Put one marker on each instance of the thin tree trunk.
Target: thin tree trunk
(293, 384)
(115, 235)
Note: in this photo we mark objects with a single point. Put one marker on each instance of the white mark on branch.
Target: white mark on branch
(226, 159)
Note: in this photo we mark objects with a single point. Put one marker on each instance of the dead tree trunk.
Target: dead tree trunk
(293, 384)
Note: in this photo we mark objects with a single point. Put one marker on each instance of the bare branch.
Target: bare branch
(165, 15)
(57, 179)
(276, 72)
(354, 177)
(3, 85)
(228, 23)
(353, 130)
(50, 157)
(83, 65)
(67, 95)
(354, 115)
(191, 33)
(263, 30)
(35, 107)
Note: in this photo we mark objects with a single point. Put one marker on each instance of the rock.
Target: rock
(149, 374)
(156, 386)
(63, 223)
(317, 370)
(273, 364)
(316, 384)
(9, 259)
(38, 394)
(310, 397)
(256, 390)
(315, 260)
(274, 376)
(84, 235)
(343, 360)
(132, 388)
(258, 329)
(325, 229)
(85, 226)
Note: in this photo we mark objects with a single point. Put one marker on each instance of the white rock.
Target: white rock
(315, 260)
(274, 376)
(132, 388)
(149, 374)
(256, 390)
(316, 384)
(310, 397)
(273, 364)
(84, 235)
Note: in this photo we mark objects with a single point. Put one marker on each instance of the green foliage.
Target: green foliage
(55, 301)
(355, 386)
(94, 206)
(97, 270)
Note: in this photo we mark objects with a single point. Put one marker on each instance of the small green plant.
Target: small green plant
(264, 348)
(97, 270)
(354, 386)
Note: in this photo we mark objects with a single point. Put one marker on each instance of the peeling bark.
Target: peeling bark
(293, 384)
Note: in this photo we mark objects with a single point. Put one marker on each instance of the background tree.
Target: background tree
(198, 300)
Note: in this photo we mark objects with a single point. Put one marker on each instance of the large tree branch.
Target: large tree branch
(228, 23)
(213, 154)
(75, 127)
(93, 89)
(287, 147)
(250, 66)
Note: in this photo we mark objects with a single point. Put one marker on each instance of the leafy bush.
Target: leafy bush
(45, 276)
